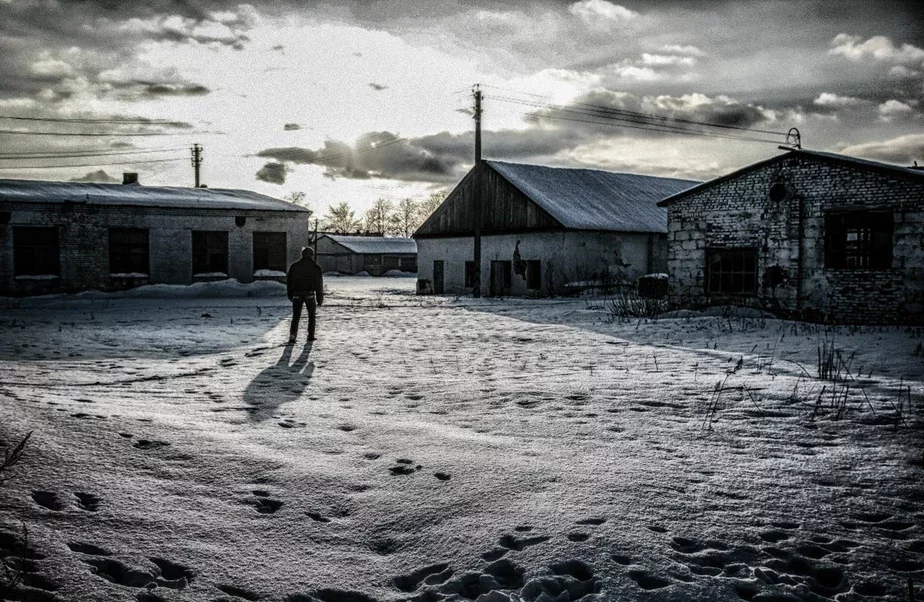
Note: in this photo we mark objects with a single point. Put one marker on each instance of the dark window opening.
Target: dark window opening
(35, 252)
(373, 259)
(210, 252)
(128, 251)
(269, 251)
(731, 271)
(469, 274)
(391, 262)
(533, 274)
(408, 264)
(859, 240)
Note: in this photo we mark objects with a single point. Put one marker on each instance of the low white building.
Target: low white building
(544, 227)
(72, 236)
(375, 255)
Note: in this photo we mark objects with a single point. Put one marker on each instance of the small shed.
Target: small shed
(544, 228)
(810, 234)
(72, 236)
(372, 254)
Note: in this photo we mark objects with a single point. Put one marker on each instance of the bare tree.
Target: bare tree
(300, 199)
(342, 219)
(429, 205)
(406, 218)
(378, 216)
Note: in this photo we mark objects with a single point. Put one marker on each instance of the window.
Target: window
(533, 274)
(858, 240)
(731, 271)
(408, 264)
(128, 251)
(469, 274)
(210, 252)
(371, 259)
(35, 252)
(269, 251)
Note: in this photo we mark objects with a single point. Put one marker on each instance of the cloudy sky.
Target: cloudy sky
(352, 100)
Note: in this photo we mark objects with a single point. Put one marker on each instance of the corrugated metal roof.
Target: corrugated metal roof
(911, 172)
(590, 199)
(36, 191)
(376, 244)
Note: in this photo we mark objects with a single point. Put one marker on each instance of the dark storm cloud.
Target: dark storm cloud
(375, 155)
(176, 90)
(48, 46)
(272, 172)
(97, 176)
(443, 157)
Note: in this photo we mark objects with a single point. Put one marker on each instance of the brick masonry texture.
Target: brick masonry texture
(83, 238)
(739, 213)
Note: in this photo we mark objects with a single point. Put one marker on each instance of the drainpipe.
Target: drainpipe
(800, 266)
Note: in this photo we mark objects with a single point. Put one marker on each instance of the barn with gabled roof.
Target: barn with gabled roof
(545, 227)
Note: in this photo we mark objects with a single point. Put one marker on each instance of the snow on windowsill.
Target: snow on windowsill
(129, 275)
(28, 277)
(210, 275)
(269, 274)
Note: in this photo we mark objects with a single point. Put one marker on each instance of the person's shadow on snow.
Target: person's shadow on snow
(279, 384)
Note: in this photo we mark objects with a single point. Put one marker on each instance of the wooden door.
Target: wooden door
(438, 277)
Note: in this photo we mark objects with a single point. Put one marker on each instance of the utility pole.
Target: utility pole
(476, 197)
(196, 160)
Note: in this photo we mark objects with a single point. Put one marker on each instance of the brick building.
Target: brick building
(812, 234)
(69, 236)
(375, 255)
(543, 228)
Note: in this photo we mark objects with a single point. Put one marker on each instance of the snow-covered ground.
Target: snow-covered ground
(434, 448)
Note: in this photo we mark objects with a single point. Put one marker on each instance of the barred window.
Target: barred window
(731, 271)
(858, 240)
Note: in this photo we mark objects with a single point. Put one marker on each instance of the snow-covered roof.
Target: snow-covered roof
(376, 244)
(590, 199)
(37, 191)
(855, 162)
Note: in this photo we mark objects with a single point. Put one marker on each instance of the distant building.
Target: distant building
(70, 236)
(812, 234)
(373, 254)
(544, 227)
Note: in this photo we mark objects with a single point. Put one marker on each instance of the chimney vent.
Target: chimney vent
(129, 177)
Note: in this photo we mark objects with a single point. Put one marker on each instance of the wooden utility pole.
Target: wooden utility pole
(476, 197)
(196, 160)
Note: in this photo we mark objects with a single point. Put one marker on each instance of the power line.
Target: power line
(106, 134)
(136, 121)
(76, 154)
(640, 122)
(651, 119)
(91, 164)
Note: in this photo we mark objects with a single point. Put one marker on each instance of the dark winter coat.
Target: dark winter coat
(303, 278)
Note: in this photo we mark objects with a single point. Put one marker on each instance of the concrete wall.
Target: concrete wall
(740, 213)
(83, 237)
(565, 256)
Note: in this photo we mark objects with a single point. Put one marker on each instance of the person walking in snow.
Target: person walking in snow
(305, 286)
